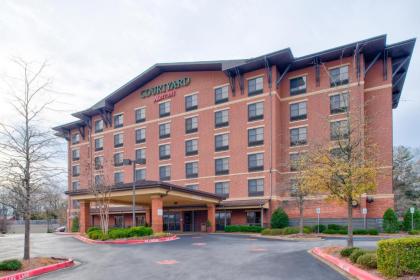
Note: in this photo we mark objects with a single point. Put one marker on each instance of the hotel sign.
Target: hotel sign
(165, 90)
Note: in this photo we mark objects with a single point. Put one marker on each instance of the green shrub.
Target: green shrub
(116, 233)
(407, 220)
(279, 219)
(330, 231)
(368, 260)
(75, 224)
(95, 234)
(390, 222)
(321, 228)
(277, 231)
(356, 254)
(360, 231)
(92, 229)
(414, 232)
(243, 228)
(334, 227)
(307, 230)
(373, 231)
(342, 231)
(266, 231)
(291, 230)
(346, 252)
(397, 257)
(10, 265)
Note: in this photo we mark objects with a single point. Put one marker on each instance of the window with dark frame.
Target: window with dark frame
(118, 178)
(298, 85)
(164, 130)
(164, 109)
(99, 144)
(119, 221)
(75, 170)
(298, 111)
(222, 189)
(339, 130)
(293, 161)
(338, 153)
(255, 86)
(339, 76)
(191, 169)
(253, 218)
(118, 140)
(75, 138)
(140, 115)
(99, 162)
(339, 103)
(118, 120)
(256, 111)
(75, 185)
(164, 151)
(221, 118)
(99, 180)
(221, 142)
(191, 147)
(99, 126)
(140, 135)
(255, 162)
(223, 218)
(191, 125)
(141, 156)
(165, 173)
(256, 187)
(140, 174)
(221, 94)
(193, 187)
(255, 136)
(221, 166)
(75, 154)
(298, 136)
(118, 159)
(191, 102)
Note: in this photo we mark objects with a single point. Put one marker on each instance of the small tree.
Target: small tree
(279, 219)
(407, 220)
(75, 224)
(390, 222)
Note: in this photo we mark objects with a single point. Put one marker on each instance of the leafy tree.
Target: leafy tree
(407, 220)
(75, 224)
(390, 222)
(279, 219)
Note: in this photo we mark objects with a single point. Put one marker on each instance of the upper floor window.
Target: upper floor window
(164, 109)
(221, 142)
(118, 120)
(99, 180)
(141, 156)
(221, 95)
(192, 187)
(191, 169)
(256, 187)
(298, 136)
(118, 159)
(140, 174)
(75, 170)
(164, 130)
(222, 189)
(338, 153)
(221, 118)
(298, 111)
(118, 140)
(99, 144)
(191, 125)
(255, 86)
(75, 138)
(75, 204)
(191, 147)
(339, 76)
(99, 162)
(255, 136)
(294, 161)
(165, 151)
(256, 162)
(75, 185)
(339, 130)
(221, 166)
(165, 173)
(298, 85)
(339, 103)
(140, 135)
(256, 111)
(75, 154)
(140, 114)
(99, 126)
(118, 178)
(191, 102)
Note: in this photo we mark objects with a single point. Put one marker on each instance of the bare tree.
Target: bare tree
(26, 148)
(54, 203)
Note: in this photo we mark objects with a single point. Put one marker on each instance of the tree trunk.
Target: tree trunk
(301, 217)
(26, 254)
(350, 223)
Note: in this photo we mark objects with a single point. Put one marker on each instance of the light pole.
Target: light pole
(133, 163)
(364, 212)
(412, 217)
(318, 211)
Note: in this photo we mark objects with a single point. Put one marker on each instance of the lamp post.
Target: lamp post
(318, 211)
(133, 163)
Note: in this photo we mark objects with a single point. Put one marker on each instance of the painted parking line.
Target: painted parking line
(258, 249)
(252, 239)
(199, 244)
(167, 262)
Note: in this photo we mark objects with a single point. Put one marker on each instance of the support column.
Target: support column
(211, 217)
(147, 217)
(157, 213)
(84, 219)
(181, 221)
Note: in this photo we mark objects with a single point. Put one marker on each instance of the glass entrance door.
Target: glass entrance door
(188, 221)
(171, 221)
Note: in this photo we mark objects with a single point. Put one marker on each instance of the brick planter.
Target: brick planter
(38, 271)
(127, 241)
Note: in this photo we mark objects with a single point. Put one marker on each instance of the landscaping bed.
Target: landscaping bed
(20, 269)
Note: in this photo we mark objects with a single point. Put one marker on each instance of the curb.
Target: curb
(128, 241)
(66, 233)
(38, 271)
(271, 237)
(345, 266)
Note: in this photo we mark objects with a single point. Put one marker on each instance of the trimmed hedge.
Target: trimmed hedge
(279, 219)
(356, 254)
(346, 252)
(368, 260)
(116, 233)
(321, 228)
(93, 229)
(10, 265)
(397, 257)
(282, 231)
(243, 228)
(414, 232)
(390, 222)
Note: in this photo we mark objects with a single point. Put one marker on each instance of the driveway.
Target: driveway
(191, 257)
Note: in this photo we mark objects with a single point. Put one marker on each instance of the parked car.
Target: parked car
(60, 229)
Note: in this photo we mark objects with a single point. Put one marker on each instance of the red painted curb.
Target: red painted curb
(38, 271)
(347, 267)
(129, 241)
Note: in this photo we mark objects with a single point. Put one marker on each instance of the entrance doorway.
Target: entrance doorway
(171, 221)
(188, 221)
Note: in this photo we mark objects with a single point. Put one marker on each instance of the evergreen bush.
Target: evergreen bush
(279, 219)
(390, 221)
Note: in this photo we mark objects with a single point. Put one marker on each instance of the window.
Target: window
(339, 76)
(99, 126)
(75, 170)
(294, 161)
(191, 125)
(222, 219)
(118, 120)
(221, 95)
(256, 187)
(165, 173)
(221, 118)
(338, 153)
(339, 103)
(75, 138)
(75, 204)
(119, 221)
(75, 185)
(193, 187)
(298, 85)
(222, 189)
(140, 135)
(164, 109)
(253, 218)
(75, 154)
(191, 102)
(164, 130)
(140, 115)
(99, 180)
(298, 111)
(191, 169)
(256, 162)
(221, 166)
(256, 111)
(255, 136)
(118, 140)
(191, 147)
(99, 144)
(99, 162)
(298, 136)
(118, 159)
(141, 156)
(165, 151)
(140, 174)
(221, 142)
(294, 187)
(255, 86)
(118, 177)
(339, 130)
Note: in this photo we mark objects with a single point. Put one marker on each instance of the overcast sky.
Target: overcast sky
(93, 47)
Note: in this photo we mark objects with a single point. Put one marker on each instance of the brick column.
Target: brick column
(157, 221)
(211, 216)
(147, 217)
(84, 219)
